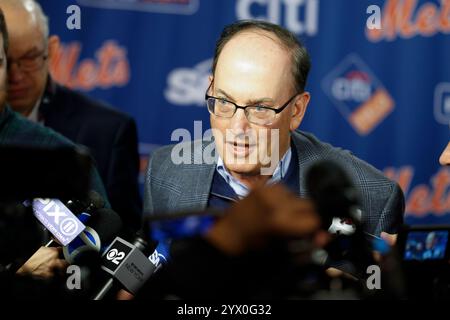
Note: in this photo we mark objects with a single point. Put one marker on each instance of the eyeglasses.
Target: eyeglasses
(256, 114)
(31, 63)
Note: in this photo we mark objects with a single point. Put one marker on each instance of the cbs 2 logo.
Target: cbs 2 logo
(115, 256)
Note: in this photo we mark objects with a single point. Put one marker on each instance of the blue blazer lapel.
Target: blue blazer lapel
(306, 157)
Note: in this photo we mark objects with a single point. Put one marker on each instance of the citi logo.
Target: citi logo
(354, 86)
(298, 16)
(358, 94)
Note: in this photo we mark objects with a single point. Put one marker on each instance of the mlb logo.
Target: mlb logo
(358, 94)
(187, 7)
(442, 103)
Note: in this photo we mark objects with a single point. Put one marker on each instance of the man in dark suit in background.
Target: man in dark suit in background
(15, 130)
(110, 135)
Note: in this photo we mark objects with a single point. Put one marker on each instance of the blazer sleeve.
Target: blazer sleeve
(157, 234)
(148, 200)
(393, 212)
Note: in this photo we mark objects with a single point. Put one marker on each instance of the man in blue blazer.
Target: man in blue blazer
(257, 101)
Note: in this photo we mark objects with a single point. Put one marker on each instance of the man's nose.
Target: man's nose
(239, 122)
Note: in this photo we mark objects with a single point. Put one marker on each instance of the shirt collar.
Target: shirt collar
(34, 114)
(241, 189)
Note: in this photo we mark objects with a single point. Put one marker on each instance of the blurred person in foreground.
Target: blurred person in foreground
(110, 135)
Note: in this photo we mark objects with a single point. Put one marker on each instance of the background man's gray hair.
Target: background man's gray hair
(35, 9)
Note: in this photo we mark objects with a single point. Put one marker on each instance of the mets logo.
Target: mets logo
(405, 19)
(358, 94)
(187, 7)
(111, 68)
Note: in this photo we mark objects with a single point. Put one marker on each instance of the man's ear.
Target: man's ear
(53, 47)
(299, 109)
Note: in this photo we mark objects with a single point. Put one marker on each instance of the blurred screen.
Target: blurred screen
(426, 245)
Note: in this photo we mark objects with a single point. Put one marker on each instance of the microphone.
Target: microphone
(85, 250)
(58, 219)
(334, 194)
(84, 208)
(178, 225)
(93, 202)
(127, 264)
(103, 226)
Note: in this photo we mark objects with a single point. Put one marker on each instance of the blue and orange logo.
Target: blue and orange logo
(187, 7)
(405, 19)
(111, 68)
(358, 94)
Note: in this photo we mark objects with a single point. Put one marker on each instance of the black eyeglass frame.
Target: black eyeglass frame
(276, 110)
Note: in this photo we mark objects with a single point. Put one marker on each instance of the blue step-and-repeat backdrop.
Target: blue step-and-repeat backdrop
(383, 93)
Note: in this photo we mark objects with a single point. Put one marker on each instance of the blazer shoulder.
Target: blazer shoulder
(87, 107)
(164, 155)
(360, 171)
(184, 159)
(28, 132)
(161, 155)
(382, 199)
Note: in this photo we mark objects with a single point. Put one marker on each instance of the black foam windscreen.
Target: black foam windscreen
(96, 201)
(332, 191)
(107, 223)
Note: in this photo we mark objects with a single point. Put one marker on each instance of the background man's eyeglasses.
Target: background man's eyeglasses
(28, 64)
